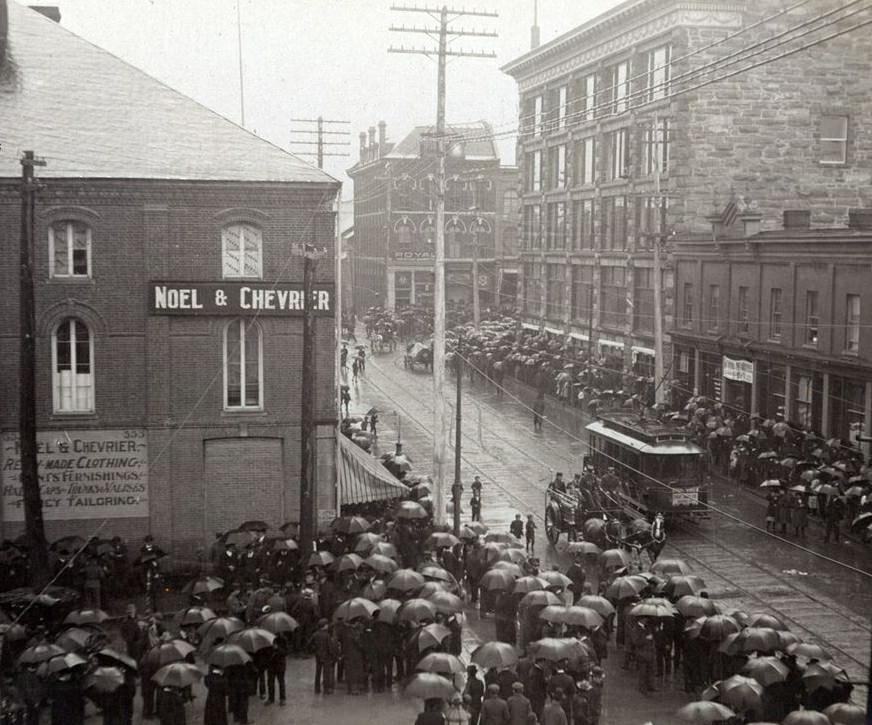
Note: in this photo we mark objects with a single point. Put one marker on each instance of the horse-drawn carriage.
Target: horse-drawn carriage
(383, 340)
(418, 354)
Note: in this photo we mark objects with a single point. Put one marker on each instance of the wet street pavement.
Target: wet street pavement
(822, 591)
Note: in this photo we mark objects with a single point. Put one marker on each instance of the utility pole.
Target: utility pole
(590, 318)
(308, 480)
(33, 521)
(476, 305)
(457, 488)
(239, 58)
(320, 143)
(659, 390)
(440, 423)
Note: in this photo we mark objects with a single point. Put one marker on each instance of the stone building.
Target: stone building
(625, 137)
(395, 214)
(168, 302)
(776, 322)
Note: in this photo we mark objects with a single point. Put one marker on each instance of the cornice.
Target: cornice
(619, 33)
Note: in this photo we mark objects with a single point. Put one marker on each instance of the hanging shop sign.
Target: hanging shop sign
(85, 474)
(238, 299)
(740, 370)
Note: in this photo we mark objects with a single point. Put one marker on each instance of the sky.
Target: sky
(305, 58)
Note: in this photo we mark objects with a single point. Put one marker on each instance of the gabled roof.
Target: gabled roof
(480, 147)
(91, 114)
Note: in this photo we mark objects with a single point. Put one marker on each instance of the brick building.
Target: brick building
(168, 303)
(774, 322)
(395, 213)
(613, 104)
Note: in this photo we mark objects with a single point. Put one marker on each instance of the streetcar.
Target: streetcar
(658, 467)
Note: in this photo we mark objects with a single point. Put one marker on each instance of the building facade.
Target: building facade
(774, 323)
(393, 252)
(626, 139)
(168, 304)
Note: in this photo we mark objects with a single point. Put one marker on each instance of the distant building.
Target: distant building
(168, 303)
(395, 216)
(776, 322)
(610, 106)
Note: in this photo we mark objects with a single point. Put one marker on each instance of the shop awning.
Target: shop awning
(363, 478)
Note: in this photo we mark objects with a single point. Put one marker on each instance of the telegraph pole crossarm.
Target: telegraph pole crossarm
(320, 143)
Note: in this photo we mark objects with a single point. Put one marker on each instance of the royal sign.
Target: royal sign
(740, 370)
(238, 298)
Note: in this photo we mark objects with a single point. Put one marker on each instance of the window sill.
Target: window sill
(851, 353)
(809, 346)
(834, 164)
(774, 340)
(73, 415)
(72, 280)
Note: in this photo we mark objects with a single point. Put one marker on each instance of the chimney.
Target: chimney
(796, 219)
(750, 224)
(52, 12)
(382, 138)
(534, 30)
(372, 137)
(860, 219)
(362, 138)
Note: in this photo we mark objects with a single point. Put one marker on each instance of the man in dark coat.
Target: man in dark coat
(326, 653)
(578, 576)
(494, 710)
(473, 693)
(171, 706)
(384, 642)
(67, 701)
(276, 665)
(237, 692)
(215, 712)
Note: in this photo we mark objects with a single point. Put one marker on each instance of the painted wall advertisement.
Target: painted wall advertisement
(86, 474)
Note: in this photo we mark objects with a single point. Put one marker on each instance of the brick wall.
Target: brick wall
(167, 373)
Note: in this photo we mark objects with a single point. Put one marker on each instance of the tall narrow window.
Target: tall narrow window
(687, 308)
(242, 251)
(834, 140)
(69, 246)
(812, 318)
(584, 223)
(243, 366)
(588, 171)
(852, 323)
(620, 86)
(562, 97)
(617, 154)
(588, 85)
(536, 172)
(775, 314)
(558, 167)
(73, 371)
(658, 73)
(714, 311)
(743, 313)
(655, 149)
(538, 120)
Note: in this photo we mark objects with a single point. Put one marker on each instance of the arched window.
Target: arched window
(69, 249)
(243, 366)
(428, 231)
(454, 231)
(404, 229)
(241, 251)
(73, 367)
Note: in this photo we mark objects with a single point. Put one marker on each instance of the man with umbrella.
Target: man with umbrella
(578, 576)
(835, 512)
(473, 694)
(215, 712)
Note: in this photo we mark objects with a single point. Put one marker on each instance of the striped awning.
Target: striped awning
(363, 478)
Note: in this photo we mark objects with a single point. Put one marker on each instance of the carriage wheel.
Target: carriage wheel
(552, 529)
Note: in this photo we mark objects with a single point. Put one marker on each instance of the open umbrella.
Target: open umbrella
(766, 670)
(13, 632)
(765, 619)
(60, 663)
(715, 627)
(79, 639)
(383, 548)
(577, 616)
(478, 527)
(771, 483)
(429, 686)
(365, 543)
(650, 608)
(416, 610)
(844, 713)
(441, 663)
(669, 567)
(357, 608)
(350, 525)
(348, 562)
(380, 563)
(614, 559)
(679, 586)
(691, 606)
(375, 590)
(705, 711)
(500, 537)
(600, 605)
(552, 649)
(442, 540)
(539, 599)
(406, 581)
(823, 675)
(755, 639)
(446, 602)
(555, 579)
(742, 693)
(430, 636)
(527, 584)
(104, 679)
(177, 674)
(410, 510)
(387, 610)
(285, 545)
(252, 639)
(509, 567)
(203, 585)
(86, 616)
(494, 654)
(786, 639)
(806, 717)
(321, 558)
(165, 653)
(497, 580)
(228, 655)
(809, 651)
(625, 587)
(277, 622)
(585, 548)
(109, 655)
(196, 615)
(515, 556)
(218, 629)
